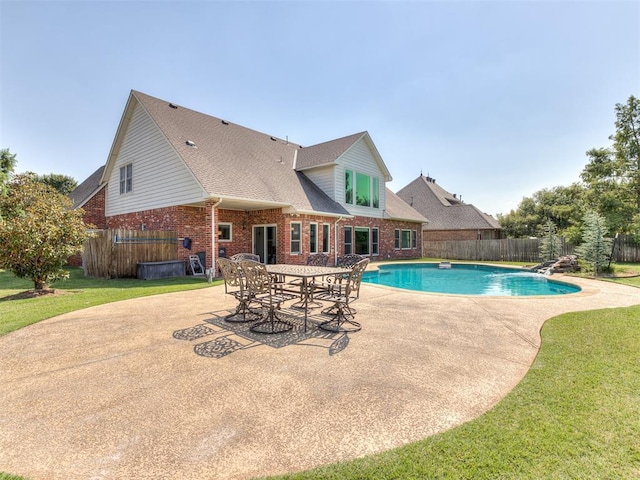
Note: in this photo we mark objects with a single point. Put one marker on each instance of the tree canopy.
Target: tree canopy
(7, 166)
(39, 230)
(610, 186)
(62, 183)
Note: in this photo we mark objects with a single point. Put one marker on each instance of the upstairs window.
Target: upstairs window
(126, 178)
(363, 190)
(348, 186)
(375, 192)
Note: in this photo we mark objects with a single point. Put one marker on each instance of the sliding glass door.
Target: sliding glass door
(265, 243)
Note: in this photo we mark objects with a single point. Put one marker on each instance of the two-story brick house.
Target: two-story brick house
(230, 189)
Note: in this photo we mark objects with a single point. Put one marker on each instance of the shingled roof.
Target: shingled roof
(233, 162)
(444, 210)
(87, 189)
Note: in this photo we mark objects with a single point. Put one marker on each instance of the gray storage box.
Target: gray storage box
(155, 270)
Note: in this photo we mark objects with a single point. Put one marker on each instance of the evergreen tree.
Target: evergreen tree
(595, 249)
(550, 247)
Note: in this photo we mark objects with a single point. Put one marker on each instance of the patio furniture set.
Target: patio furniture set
(261, 290)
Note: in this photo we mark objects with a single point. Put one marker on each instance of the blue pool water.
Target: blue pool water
(467, 279)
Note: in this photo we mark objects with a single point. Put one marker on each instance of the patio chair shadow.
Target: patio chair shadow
(225, 337)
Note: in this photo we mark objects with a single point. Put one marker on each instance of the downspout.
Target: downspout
(335, 243)
(214, 233)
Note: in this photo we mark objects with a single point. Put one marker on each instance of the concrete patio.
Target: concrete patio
(161, 387)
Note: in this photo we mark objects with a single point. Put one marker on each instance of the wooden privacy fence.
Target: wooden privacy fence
(506, 249)
(116, 253)
(626, 249)
(518, 249)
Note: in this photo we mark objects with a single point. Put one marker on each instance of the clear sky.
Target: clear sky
(494, 99)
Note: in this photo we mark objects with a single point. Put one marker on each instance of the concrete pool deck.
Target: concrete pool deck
(161, 387)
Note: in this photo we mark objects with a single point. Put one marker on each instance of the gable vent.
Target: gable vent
(190, 143)
(173, 106)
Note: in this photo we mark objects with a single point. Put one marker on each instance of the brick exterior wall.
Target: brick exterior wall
(242, 234)
(94, 210)
(188, 222)
(93, 215)
(197, 224)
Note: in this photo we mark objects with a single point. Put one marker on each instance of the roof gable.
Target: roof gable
(329, 153)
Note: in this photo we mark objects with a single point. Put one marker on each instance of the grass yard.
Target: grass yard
(75, 293)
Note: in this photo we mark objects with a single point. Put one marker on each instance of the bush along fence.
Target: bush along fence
(116, 253)
(518, 249)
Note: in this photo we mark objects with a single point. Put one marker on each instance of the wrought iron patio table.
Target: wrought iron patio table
(306, 273)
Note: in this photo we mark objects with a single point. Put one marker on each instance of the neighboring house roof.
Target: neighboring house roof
(444, 210)
(87, 189)
(398, 209)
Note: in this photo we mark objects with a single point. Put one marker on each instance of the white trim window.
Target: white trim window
(403, 239)
(406, 239)
(326, 238)
(361, 189)
(296, 238)
(313, 238)
(225, 232)
(348, 240)
(363, 239)
(375, 241)
(126, 178)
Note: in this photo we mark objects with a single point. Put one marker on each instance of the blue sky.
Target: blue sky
(494, 99)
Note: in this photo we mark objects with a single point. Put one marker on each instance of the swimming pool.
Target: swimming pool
(467, 279)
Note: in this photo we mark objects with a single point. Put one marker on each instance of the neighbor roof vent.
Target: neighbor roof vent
(224, 122)
(190, 143)
(273, 138)
(173, 106)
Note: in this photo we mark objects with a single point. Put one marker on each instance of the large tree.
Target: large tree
(39, 231)
(62, 183)
(7, 165)
(612, 174)
(562, 206)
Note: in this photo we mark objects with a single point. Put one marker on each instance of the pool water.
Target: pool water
(467, 279)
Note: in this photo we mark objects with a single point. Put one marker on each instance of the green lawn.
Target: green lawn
(75, 293)
(574, 415)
